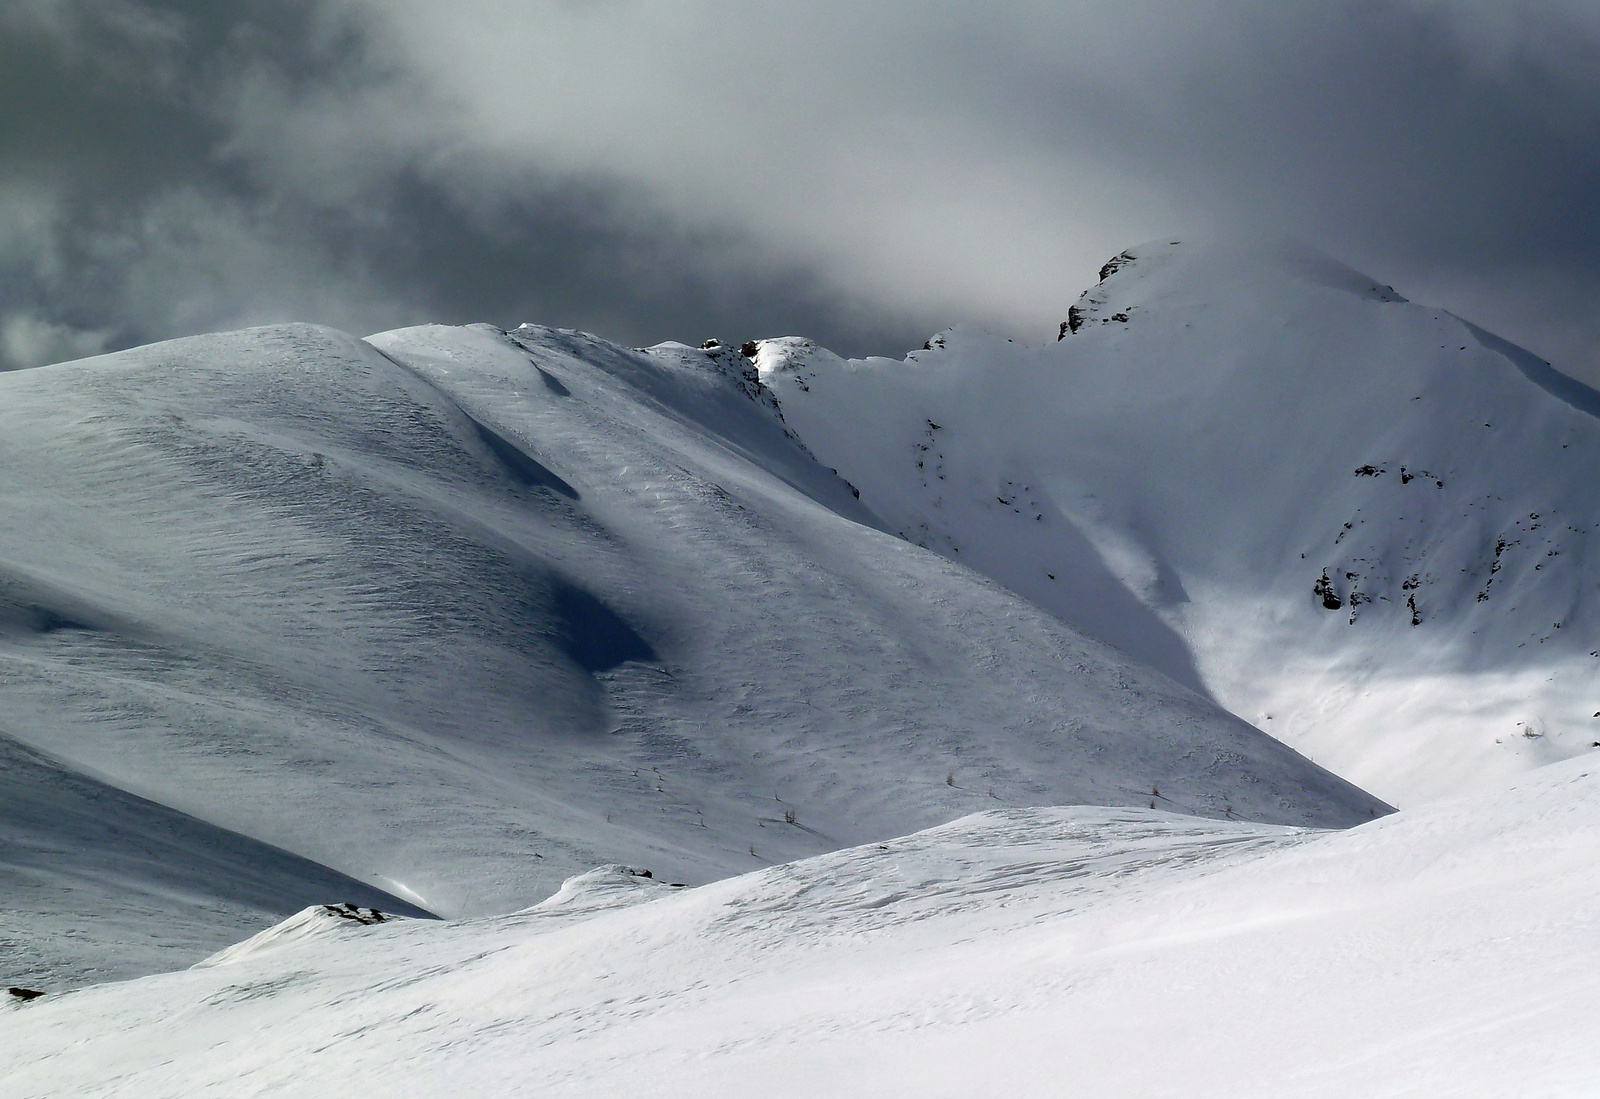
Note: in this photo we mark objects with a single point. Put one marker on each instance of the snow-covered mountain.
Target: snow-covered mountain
(1449, 950)
(1363, 524)
(460, 614)
(453, 621)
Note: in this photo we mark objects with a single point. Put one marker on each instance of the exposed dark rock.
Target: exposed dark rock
(1357, 598)
(1115, 264)
(1323, 590)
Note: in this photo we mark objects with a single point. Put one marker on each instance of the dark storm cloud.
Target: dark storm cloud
(1456, 156)
(111, 196)
(143, 195)
(860, 173)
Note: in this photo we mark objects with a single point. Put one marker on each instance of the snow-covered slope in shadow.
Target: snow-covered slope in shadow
(1448, 950)
(98, 885)
(461, 614)
(1363, 524)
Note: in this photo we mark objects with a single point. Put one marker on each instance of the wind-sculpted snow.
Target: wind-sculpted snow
(1363, 524)
(461, 614)
(1449, 950)
(315, 922)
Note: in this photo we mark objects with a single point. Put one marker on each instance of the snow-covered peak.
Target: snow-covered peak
(1273, 478)
(1264, 268)
(787, 355)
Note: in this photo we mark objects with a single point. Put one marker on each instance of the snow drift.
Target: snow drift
(1449, 950)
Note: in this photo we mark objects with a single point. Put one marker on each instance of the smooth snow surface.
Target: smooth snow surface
(1451, 950)
(461, 614)
(1362, 524)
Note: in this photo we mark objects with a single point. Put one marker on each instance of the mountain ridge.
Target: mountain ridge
(462, 613)
(1222, 414)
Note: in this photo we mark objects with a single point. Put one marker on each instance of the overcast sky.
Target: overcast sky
(861, 172)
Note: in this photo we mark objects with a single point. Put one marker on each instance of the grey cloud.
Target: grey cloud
(182, 167)
(859, 173)
(28, 340)
(1402, 138)
(1448, 146)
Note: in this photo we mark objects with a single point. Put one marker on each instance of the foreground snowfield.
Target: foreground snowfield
(1452, 950)
(1361, 523)
(460, 615)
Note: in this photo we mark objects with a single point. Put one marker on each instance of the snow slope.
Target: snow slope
(1360, 523)
(461, 614)
(98, 885)
(1449, 950)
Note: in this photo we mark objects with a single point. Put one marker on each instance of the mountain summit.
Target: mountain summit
(1364, 524)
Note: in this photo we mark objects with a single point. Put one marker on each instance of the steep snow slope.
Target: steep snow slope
(460, 614)
(1363, 524)
(1444, 951)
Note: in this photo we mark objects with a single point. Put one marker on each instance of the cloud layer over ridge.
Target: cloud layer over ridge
(859, 173)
